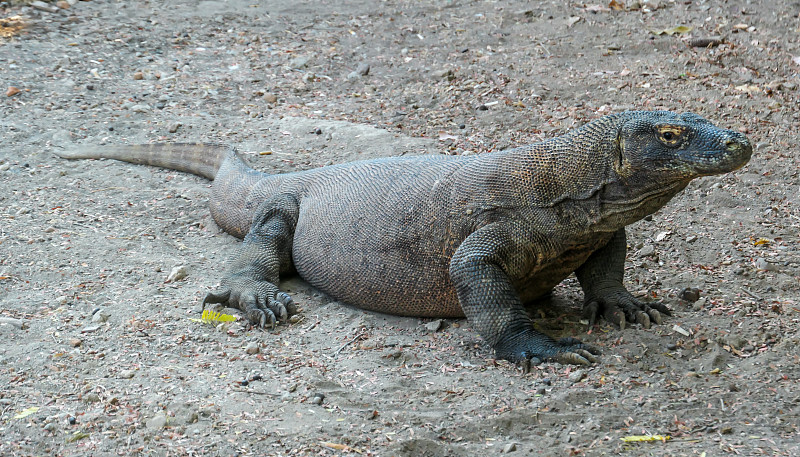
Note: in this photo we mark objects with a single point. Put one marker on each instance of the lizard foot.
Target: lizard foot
(532, 348)
(620, 308)
(261, 301)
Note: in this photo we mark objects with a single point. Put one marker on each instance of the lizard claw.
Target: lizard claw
(623, 308)
(261, 302)
(538, 348)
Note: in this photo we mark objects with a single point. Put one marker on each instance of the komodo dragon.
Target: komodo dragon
(454, 236)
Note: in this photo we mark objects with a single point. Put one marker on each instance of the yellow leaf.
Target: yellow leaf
(26, 412)
(761, 241)
(210, 317)
(644, 438)
(677, 30)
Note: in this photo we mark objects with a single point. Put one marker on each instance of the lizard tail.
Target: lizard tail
(200, 159)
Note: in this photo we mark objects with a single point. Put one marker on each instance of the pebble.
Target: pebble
(140, 108)
(126, 374)
(91, 398)
(100, 317)
(541, 391)
(576, 376)
(5, 167)
(75, 342)
(42, 6)
(178, 273)
(434, 326)
(252, 348)
(510, 447)
(173, 127)
(157, 423)
(704, 42)
(362, 70)
(647, 250)
(318, 398)
(138, 76)
(299, 62)
(18, 323)
(763, 265)
(90, 329)
(690, 294)
(699, 304)
(270, 98)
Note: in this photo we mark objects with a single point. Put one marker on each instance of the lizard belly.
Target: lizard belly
(375, 259)
(541, 281)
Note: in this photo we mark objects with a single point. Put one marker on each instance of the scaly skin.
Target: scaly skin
(443, 236)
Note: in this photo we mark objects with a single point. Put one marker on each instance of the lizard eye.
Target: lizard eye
(670, 135)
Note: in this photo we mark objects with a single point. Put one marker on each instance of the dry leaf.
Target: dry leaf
(677, 30)
(615, 5)
(12, 91)
(572, 20)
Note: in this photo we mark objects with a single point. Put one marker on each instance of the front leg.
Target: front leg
(490, 302)
(601, 280)
(252, 281)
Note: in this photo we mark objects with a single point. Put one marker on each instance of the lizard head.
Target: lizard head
(678, 146)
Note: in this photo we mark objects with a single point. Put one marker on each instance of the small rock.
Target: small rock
(362, 70)
(173, 127)
(699, 304)
(318, 398)
(434, 326)
(90, 329)
(483, 108)
(50, 427)
(690, 294)
(140, 108)
(763, 265)
(91, 398)
(647, 250)
(577, 376)
(75, 342)
(100, 317)
(691, 238)
(5, 167)
(12, 91)
(42, 6)
(705, 42)
(62, 4)
(18, 323)
(157, 423)
(178, 273)
(252, 348)
(510, 447)
(444, 73)
(672, 346)
(299, 62)
(270, 98)
(138, 76)
(541, 391)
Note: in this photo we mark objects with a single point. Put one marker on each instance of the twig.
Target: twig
(744, 289)
(350, 342)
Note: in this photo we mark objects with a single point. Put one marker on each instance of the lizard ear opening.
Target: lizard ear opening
(622, 164)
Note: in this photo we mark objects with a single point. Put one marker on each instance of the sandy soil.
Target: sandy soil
(101, 357)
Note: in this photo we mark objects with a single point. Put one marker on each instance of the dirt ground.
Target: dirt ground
(100, 354)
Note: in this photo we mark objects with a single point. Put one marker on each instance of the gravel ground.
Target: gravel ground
(102, 356)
